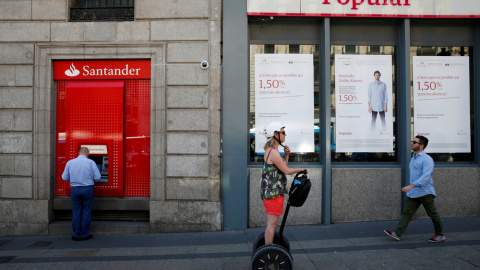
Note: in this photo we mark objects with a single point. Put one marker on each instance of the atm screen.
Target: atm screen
(102, 165)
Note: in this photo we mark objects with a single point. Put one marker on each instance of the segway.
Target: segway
(277, 255)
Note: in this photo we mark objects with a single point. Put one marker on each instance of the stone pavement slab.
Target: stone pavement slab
(337, 246)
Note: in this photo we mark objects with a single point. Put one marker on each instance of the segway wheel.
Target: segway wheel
(281, 241)
(271, 257)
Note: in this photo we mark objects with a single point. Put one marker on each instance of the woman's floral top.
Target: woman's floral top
(274, 182)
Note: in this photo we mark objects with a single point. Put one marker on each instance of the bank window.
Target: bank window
(102, 10)
(444, 116)
(258, 155)
(363, 112)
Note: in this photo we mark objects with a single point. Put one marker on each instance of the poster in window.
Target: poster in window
(363, 103)
(441, 100)
(284, 93)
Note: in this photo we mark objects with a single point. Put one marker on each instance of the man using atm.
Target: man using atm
(82, 173)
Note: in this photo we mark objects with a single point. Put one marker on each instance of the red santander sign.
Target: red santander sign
(101, 69)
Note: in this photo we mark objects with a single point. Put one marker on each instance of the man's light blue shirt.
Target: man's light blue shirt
(377, 96)
(81, 171)
(421, 169)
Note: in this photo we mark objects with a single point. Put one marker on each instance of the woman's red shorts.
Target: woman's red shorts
(274, 206)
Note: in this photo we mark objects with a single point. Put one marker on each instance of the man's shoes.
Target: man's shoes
(437, 238)
(87, 237)
(392, 234)
(76, 238)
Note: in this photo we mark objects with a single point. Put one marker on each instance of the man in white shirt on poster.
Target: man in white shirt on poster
(377, 100)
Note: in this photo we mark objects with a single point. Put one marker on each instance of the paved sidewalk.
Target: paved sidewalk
(338, 246)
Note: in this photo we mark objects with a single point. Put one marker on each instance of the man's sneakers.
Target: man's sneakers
(437, 238)
(392, 234)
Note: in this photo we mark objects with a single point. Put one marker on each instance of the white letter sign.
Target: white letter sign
(441, 95)
(284, 93)
(363, 103)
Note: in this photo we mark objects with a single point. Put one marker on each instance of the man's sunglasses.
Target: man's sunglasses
(414, 142)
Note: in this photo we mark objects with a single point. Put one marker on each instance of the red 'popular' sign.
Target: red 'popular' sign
(101, 70)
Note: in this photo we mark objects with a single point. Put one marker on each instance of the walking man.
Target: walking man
(82, 173)
(420, 191)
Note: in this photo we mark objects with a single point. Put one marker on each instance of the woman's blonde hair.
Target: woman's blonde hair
(270, 143)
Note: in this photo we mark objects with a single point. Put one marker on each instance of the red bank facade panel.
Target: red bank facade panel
(109, 116)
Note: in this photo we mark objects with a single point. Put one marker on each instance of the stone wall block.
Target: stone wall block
(187, 143)
(157, 190)
(100, 31)
(215, 190)
(133, 31)
(16, 165)
(100, 52)
(30, 211)
(16, 142)
(158, 77)
(24, 31)
(215, 143)
(15, 10)
(7, 78)
(187, 74)
(187, 189)
(50, 10)
(18, 188)
(159, 121)
(216, 10)
(175, 216)
(158, 96)
(22, 229)
(215, 60)
(67, 31)
(180, 30)
(7, 121)
(24, 165)
(23, 120)
(215, 31)
(23, 76)
(7, 165)
(159, 145)
(215, 162)
(189, 120)
(187, 52)
(159, 168)
(364, 188)
(187, 97)
(160, 9)
(187, 166)
(16, 120)
(16, 98)
(215, 120)
(6, 208)
(16, 53)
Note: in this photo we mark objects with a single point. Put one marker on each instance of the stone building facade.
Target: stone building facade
(176, 36)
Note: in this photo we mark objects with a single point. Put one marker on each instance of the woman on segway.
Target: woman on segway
(274, 180)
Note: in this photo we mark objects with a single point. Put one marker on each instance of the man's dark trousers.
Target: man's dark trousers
(411, 207)
(82, 201)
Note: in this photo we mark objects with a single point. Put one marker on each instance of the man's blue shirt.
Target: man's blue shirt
(377, 96)
(421, 169)
(81, 171)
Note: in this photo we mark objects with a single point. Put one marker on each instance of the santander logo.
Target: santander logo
(72, 71)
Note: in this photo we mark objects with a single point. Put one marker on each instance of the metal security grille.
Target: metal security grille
(102, 10)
